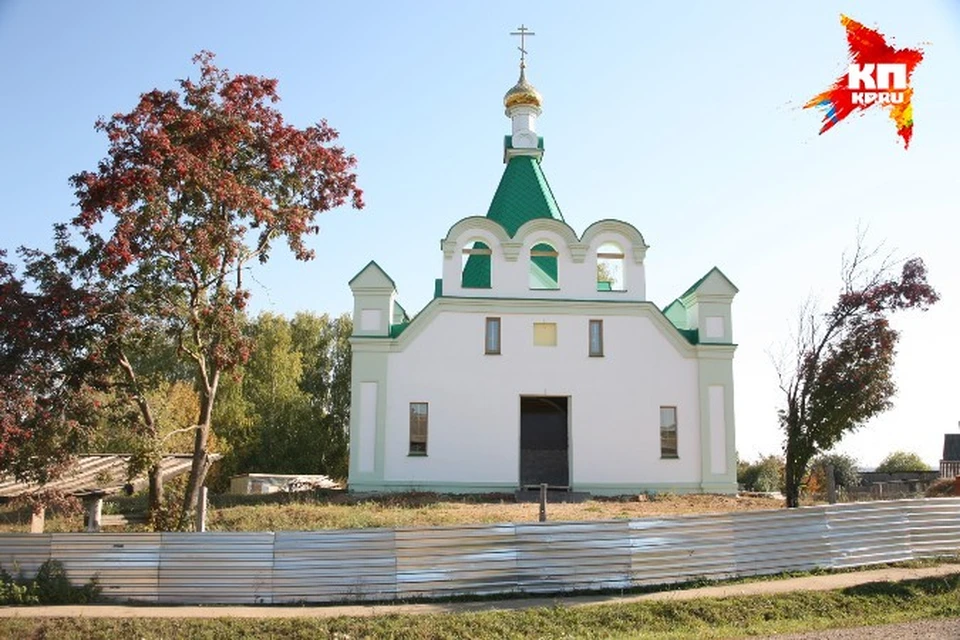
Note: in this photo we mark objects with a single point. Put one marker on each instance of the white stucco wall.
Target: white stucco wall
(577, 276)
(474, 400)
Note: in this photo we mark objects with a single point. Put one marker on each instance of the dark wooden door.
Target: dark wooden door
(544, 442)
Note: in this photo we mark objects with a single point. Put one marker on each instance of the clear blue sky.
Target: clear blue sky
(682, 118)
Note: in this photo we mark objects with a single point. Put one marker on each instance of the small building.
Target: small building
(261, 483)
(540, 359)
(950, 463)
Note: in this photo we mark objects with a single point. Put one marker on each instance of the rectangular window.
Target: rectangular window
(545, 334)
(668, 432)
(491, 342)
(418, 428)
(596, 338)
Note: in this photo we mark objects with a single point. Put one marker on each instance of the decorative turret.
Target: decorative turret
(522, 103)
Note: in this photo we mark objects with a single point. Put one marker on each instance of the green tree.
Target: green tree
(841, 371)
(272, 386)
(845, 471)
(902, 461)
(288, 410)
(324, 344)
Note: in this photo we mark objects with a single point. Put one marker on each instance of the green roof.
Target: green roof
(523, 195)
(476, 273)
(543, 270)
(399, 313)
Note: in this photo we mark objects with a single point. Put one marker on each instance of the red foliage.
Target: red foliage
(843, 375)
(196, 184)
(47, 369)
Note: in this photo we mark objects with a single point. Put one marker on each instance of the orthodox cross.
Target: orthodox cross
(523, 32)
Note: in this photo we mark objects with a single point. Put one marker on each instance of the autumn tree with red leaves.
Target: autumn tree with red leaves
(49, 371)
(841, 371)
(196, 185)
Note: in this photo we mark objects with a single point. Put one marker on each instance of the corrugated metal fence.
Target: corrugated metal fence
(384, 564)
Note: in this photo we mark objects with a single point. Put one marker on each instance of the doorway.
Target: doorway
(544, 442)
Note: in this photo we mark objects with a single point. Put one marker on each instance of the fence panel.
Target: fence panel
(329, 566)
(457, 560)
(682, 548)
(565, 556)
(126, 564)
(228, 568)
(776, 541)
(383, 564)
(23, 553)
(868, 533)
(934, 526)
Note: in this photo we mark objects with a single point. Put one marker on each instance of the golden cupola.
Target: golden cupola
(522, 94)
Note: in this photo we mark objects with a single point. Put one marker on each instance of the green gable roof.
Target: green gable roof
(523, 195)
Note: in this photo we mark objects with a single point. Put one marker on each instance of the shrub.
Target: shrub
(50, 586)
(845, 474)
(16, 591)
(764, 475)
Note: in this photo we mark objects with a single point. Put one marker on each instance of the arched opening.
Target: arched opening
(475, 266)
(543, 267)
(610, 268)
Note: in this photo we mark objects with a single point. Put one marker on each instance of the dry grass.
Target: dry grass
(441, 510)
(943, 488)
(344, 511)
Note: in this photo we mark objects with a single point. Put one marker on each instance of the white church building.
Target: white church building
(540, 359)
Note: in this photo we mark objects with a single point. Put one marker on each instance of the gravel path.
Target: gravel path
(919, 630)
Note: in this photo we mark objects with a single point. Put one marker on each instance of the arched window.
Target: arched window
(476, 267)
(610, 268)
(543, 267)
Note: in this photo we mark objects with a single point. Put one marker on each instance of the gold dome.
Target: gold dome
(522, 93)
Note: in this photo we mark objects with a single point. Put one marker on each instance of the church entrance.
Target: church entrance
(544, 442)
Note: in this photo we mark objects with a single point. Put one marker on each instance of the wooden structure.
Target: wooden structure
(92, 478)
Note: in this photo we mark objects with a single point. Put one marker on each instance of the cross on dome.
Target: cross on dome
(523, 93)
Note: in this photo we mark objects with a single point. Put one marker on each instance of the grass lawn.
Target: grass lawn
(875, 603)
(307, 512)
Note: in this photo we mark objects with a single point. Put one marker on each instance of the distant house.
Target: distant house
(260, 483)
(540, 359)
(950, 463)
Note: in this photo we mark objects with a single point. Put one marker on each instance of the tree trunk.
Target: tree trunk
(791, 476)
(201, 459)
(198, 473)
(156, 490)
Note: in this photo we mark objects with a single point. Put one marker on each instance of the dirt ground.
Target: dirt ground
(916, 630)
